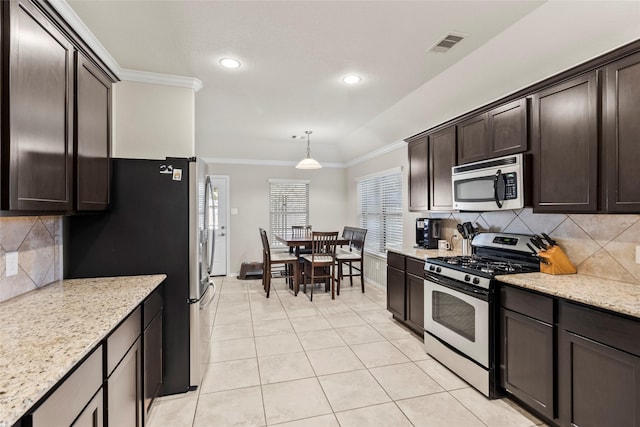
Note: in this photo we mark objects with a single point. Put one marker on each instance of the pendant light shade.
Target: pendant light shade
(308, 162)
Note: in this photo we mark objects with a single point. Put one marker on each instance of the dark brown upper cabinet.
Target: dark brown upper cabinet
(565, 146)
(508, 131)
(498, 132)
(56, 124)
(621, 132)
(473, 139)
(442, 157)
(93, 136)
(37, 131)
(418, 175)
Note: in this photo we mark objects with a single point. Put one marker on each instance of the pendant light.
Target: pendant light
(308, 162)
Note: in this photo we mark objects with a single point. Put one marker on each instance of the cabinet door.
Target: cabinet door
(124, 391)
(39, 155)
(152, 360)
(396, 294)
(442, 157)
(473, 143)
(93, 414)
(418, 175)
(622, 134)
(565, 138)
(415, 303)
(599, 385)
(508, 129)
(93, 136)
(526, 365)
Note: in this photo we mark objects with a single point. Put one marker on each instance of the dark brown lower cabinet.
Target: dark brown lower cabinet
(152, 360)
(599, 368)
(527, 360)
(93, 414)
(415, 294)
(396, 292)
(405, 290)
(125, 390)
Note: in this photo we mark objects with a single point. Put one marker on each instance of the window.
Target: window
(380, 210)
(288, 205)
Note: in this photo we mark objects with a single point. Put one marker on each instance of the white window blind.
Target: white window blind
(288, 205)
(380, 210)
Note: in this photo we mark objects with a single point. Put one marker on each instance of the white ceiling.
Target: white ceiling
(294, 54)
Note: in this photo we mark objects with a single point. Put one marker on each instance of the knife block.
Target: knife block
(555, 261)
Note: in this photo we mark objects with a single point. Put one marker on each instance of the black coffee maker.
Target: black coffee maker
(427, 233)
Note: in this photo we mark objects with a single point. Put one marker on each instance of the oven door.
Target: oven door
(458, 314)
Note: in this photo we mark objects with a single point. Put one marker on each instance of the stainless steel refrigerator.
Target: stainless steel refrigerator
(156, 224)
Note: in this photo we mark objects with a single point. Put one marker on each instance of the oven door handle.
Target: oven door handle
(472, 291)
(496, 181)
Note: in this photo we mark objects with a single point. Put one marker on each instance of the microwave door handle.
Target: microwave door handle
(496, 180)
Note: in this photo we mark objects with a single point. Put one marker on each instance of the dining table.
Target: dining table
(295, 242)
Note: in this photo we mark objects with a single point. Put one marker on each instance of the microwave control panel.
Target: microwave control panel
(510, 186)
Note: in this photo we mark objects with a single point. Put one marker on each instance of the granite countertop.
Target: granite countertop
(46, 332)
(620, 297)
(422, 253)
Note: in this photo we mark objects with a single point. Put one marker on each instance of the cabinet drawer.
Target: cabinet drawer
(152, 306)
(528, 303)
(395, 260)
(67, 401)
(415, 267)
(607, 328)
(122, 339)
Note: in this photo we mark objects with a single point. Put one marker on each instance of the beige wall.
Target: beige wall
(249, 194)
(153, 121)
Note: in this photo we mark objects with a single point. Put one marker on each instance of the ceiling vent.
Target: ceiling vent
(447, 43)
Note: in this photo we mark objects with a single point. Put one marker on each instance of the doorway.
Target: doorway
(218, 213)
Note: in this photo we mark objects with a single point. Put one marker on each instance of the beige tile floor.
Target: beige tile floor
(290, 362)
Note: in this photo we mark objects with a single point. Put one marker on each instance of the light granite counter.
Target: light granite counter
(619, 297)
(422, 253)
(46, 332)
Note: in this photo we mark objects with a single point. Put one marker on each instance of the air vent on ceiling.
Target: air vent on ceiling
(447, 43)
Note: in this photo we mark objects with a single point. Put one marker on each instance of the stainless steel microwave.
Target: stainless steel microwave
(489, 185)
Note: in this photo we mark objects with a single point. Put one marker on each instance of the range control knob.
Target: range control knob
(476, 281)
(432, 268)
(467, 277)
(438, 270)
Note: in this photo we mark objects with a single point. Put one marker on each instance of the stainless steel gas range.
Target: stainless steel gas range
(460, 307)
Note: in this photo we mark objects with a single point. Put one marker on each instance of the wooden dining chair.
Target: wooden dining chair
(355, 254)
(300, 230)
(320, 263)
(270, 259)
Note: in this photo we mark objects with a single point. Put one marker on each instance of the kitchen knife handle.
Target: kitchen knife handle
(549, 239)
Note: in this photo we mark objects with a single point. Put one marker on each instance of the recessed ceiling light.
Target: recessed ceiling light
(351, 79)
(230, 63)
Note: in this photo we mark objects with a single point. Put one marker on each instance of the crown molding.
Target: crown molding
(160, 79)
(376, 153)
(257, 162)
(74, 21)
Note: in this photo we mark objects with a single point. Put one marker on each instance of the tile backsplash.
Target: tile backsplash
(599, 245)
(38, 241)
